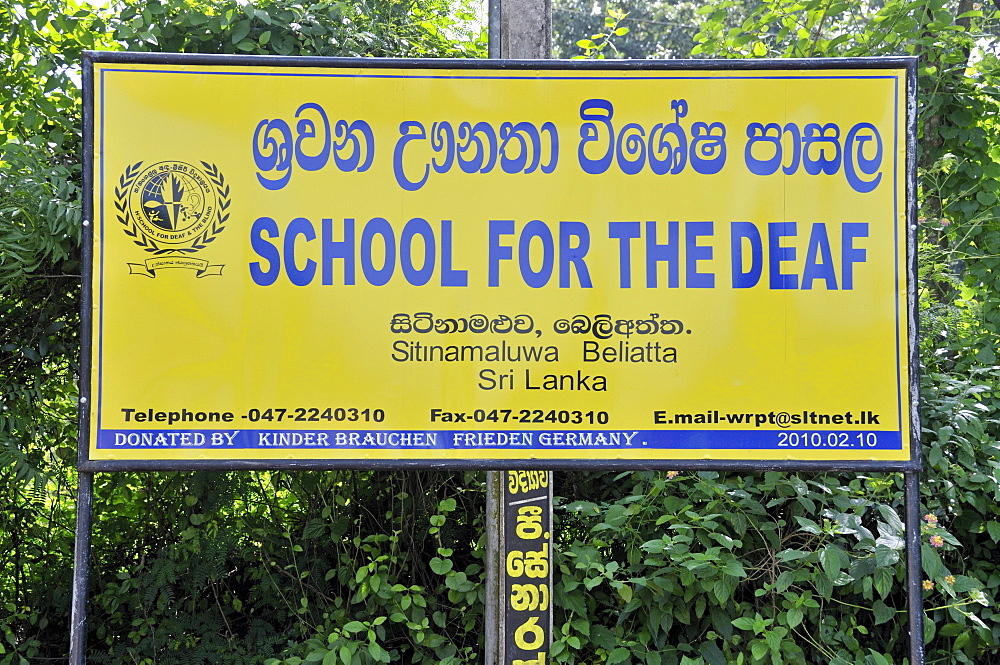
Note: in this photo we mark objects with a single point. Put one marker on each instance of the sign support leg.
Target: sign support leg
(914, 573)
(493, 614)
(519, 587)
(81, 568)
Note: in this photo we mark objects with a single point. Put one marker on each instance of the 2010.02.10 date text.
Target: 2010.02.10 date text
(315, 415)
(827, 439)
(523, 416)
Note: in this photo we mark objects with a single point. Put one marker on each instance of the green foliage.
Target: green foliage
(40, 205)
(657, 28)
(775, 568)
(432, 619)
(40, 46)
(594, 47)
(961, 424)
(39, 288)
(323, 28)
(712, 569)
(365, 566)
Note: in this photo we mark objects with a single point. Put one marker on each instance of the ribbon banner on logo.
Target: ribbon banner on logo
(149, 267)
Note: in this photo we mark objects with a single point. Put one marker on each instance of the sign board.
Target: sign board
(498, 263)
(527, 567)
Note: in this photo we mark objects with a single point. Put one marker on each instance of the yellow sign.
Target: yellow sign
(374, 260)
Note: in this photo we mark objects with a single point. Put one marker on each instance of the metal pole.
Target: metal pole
(914, 573)
(81, 568)
(493, 614)
(493, 26)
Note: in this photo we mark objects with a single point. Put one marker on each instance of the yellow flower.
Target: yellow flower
(937, 541)
(928, 585)
(931, 518)
(950, 579)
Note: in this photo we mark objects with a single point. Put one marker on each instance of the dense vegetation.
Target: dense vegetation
(357, 567)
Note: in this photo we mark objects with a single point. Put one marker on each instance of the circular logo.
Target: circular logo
(172, 206)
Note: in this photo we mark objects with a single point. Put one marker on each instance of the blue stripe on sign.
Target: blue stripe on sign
(790, 440)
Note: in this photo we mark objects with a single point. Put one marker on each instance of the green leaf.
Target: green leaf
(794, 617)
(723, 590)
(883, 581)
(808, 525)
(653, 546)
(240, 31)
(792, 555)
(441, 566)
(785, 580)
(885, 556)
(882, 612)
(354, 627)
(931, 562)
(618, 655)
(824, 585)
(773, 639)
(878, 659)
(712, 654)
(378, 653)
(969, 208)
(833, 559)
(965, 584)
(891, 518)
(952, 629)
(734, 568)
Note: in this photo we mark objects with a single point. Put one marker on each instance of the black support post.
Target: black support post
(81, 569)
(914, 574)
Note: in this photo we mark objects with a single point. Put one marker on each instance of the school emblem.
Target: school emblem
(172, 210)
